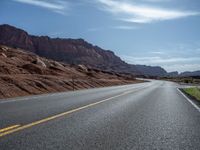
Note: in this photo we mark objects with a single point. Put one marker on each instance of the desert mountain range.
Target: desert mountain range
(77, 51)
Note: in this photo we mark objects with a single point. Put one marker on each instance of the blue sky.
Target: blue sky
(150, 32)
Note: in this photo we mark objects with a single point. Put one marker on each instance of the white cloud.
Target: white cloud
(159, 60)
(57, 6)
(125, 27)
(157, 0)
(130, 12)
(182, 67)
(158, 52)
(94, 29)
(169, 63)
(122, 27)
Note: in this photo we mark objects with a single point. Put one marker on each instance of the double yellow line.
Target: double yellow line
(8, 128)
(15, 128)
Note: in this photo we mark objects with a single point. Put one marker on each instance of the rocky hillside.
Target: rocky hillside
(25, 73)
(72, 51)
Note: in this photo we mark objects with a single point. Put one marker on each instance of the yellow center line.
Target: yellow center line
(61, 114)
(9, 128)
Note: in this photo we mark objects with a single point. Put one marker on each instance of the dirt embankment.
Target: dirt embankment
(23, 73)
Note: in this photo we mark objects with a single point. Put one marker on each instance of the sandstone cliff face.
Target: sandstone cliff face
(15, 37)
(76, 51)
(72, 51)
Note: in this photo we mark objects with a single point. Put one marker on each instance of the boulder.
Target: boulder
(82, 67)
(39, 62)
(4, 49)
(3, 55)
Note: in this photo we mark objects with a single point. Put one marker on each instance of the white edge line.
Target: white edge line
(189, 100)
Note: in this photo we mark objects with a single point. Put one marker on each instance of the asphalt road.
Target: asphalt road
(151, 115)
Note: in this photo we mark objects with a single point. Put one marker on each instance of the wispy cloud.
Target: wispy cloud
(158, 53)
(125, 27)
(159, 60)
(94, 29)
(120, 27)
(57, 6)
(132, 12)
(169, 63)
(157, 0)
(182, 67)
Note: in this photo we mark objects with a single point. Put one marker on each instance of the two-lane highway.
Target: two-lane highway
(151, 115)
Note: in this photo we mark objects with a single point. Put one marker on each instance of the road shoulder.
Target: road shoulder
(190, 99)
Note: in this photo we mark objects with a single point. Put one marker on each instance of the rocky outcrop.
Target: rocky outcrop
(39, 62)
(24, 73)
(3, 55)
(15, 37)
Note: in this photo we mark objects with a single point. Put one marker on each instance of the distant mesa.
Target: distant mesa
(189, 74)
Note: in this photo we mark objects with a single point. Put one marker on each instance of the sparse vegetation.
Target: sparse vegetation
(194, 92)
